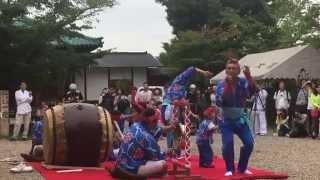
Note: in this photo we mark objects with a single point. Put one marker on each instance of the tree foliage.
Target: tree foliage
(195, 14)
(32, 47)
(298, 22)
(208, 31)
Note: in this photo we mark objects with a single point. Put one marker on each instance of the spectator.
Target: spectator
(200, 104)
(298, 125)
(310, 108)
(130, 97)
(44, 107)
(282, 99)
(121, 103)
(103, 93)
(23, 116)
(302, 98)
(158, 106)
(157, 96)
(73, 95)
(259, 111)
(191, 95)
(282, 123)
(144, 96)
(213, 96)
(315, 113)
(107, 101)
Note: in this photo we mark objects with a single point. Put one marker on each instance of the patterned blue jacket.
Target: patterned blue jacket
(232, 99)
(139, 146)
(178, 87)
(37, 131)
(204, 134)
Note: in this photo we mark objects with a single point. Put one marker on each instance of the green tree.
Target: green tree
(195, 14)
(228, 28)
(237, 28)
(32, 46)
(298, 22)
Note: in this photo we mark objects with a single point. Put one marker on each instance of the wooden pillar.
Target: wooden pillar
(147, 74)
(132, 76)
(109, 73)
(85, 84)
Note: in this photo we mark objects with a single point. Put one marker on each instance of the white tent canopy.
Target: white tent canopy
(281, 63)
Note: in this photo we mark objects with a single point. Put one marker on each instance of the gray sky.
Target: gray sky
(133, 25)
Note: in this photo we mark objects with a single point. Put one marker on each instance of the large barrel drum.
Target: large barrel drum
(77, 134)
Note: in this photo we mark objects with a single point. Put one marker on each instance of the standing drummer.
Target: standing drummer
(73, 95)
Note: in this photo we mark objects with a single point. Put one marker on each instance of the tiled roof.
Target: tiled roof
(128, 59)
(77, 39)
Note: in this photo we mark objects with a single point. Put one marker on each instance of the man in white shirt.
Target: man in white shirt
(23, 115)
(259, 111)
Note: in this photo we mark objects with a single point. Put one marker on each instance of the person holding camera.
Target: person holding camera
(259, 111)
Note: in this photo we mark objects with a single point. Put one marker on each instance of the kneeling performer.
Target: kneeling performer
(139, 154)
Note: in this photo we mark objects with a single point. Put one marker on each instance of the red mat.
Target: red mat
(206, 174)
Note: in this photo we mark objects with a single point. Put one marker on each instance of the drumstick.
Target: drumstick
(70, 171)
(118, 129)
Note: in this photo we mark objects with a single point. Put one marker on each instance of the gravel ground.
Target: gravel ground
(298, 157)
(10, 149)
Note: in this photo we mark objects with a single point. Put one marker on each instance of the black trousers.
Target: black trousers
(315, 127)
(309, 123)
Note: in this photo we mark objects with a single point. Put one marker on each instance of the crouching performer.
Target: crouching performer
(232, 94)
(139, 155)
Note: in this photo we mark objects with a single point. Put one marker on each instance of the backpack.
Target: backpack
(287, 97)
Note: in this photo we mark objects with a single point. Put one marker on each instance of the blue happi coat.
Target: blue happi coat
(138, 147)
(178, 87)
(204, 134)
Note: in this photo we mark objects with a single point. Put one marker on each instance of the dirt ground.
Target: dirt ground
(298, 157)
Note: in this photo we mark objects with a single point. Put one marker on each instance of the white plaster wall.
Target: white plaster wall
(140, 76)
(79, 80)
(97, 79)
(120, 73)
